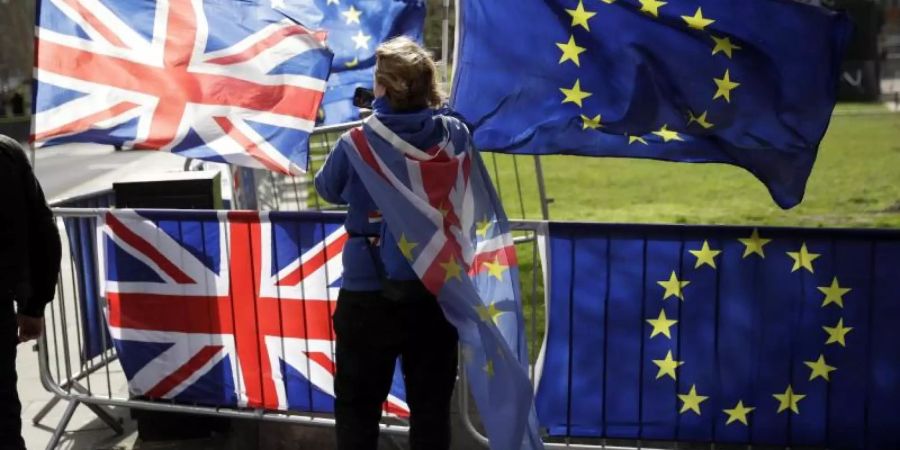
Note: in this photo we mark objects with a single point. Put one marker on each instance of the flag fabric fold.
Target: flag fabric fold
(751, 84)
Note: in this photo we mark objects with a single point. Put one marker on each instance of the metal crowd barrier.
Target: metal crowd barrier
(99, 381)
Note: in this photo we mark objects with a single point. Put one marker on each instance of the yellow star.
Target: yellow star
(837, 333)
(667, 366)
(361, 40)
(819, 368)
(668, 135)
(495, 268)
(789, 400)
(482, 227)
(406, 247)
(489, 368)
(580, 16)
(570, 51)
(452, 269)
(442, 210)
(588, 123)
(754, 244)
(803, 259)
(705, 255)
(652, 6)
(673, 287)
(575, 95)
(633, 139)
(692, 401)
(700, 120)
(661, 325)
(351, 15)
(725, 46)
(351, 64)
(725, 86)
(697, 21)
(488, 313)
(834, 293)
(738, 413)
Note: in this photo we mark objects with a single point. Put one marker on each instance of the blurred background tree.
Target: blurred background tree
(16, 39)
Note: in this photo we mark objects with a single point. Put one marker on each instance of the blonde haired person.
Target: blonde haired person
(384, 311)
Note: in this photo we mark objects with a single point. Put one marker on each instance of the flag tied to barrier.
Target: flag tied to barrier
(441, 207)
(773, 337)
(749, 83)
(355, 28)
(227, 308)
(223, 81)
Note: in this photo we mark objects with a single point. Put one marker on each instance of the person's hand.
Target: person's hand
(29, 327)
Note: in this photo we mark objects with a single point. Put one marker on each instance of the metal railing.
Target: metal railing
(76, 378)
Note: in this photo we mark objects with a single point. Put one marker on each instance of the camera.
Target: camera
(363, 98)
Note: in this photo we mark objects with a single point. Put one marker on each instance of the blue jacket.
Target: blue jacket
(338, 183)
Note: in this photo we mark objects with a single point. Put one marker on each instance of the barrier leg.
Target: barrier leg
(45, 410)
(101, 412)
(63, 423)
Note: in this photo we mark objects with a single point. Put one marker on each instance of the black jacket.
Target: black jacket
(30, 249)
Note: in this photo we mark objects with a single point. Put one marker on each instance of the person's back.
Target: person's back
(29, 266)
(395, 316)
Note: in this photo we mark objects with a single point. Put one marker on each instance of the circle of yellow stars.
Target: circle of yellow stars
(789, 401)
(571, 53)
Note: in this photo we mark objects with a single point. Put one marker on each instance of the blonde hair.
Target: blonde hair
(408, 75)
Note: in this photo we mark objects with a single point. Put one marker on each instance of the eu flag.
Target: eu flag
(355, 28)
(749, 83)
(781, 337)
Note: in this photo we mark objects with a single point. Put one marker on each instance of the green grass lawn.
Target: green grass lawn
(855, 183)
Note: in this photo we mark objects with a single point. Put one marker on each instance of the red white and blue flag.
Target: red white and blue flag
(219, 80)
(441, 207)
(227, 308)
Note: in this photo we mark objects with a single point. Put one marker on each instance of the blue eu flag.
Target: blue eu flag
(749, 83)
(773, 337)
(355, 28)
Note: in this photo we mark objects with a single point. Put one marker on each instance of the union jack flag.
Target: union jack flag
(227, 308)
(218, 80)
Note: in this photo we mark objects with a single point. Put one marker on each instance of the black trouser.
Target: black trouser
(371, 333)
(10, 408)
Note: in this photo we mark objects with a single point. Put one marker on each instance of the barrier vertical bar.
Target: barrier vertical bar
(65, 330)
(519, 185)
(542, 189)
(445, 42)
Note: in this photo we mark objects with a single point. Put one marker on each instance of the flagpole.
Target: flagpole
(445, 43)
